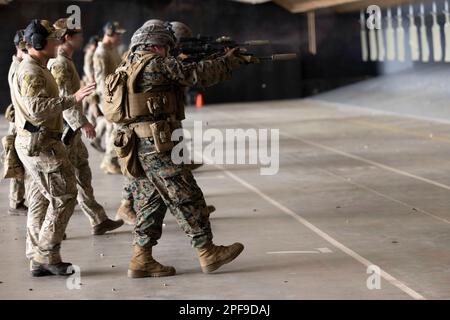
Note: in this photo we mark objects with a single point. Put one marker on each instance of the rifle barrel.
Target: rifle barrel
(256, 43)
(279, 57)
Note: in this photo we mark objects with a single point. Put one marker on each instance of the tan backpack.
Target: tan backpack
(119, 86)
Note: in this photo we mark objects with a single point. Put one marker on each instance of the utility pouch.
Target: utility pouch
(162, 134)
(34, 147)
(13, 167)
(125, 145)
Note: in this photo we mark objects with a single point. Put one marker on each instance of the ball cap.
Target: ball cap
(62, 24)
(113, 27)
(44, 28)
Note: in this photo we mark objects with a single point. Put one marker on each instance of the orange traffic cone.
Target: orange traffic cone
(199, 101)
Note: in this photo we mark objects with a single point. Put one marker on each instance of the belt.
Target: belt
(49, 134)
(142, 129)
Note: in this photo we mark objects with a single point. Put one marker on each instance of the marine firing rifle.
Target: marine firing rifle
(202, 47)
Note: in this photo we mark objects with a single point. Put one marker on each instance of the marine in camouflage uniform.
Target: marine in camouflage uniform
(65, 73)
(171, 185)
(16, 185)
(50, 178)
(106, 59)
(126, 211)
(90, 105)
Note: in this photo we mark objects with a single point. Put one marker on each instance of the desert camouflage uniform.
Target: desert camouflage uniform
(91, 102)
(172, 186)
(16, 186)
(65, 73)
(50, 177)
(106, 60)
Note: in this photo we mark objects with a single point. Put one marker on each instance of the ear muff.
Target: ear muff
(38, 41)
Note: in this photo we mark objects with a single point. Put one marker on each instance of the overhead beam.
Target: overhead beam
(382, 3)
(300, 6)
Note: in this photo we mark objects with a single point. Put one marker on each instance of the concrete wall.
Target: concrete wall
(337, 62)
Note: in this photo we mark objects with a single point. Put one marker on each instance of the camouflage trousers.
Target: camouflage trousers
(130, 185)
(90, 107)
(100, 127)
(78, 156)
(51, 193)
(171, 186)
(16, 192)
(110, 154)
(16, 186)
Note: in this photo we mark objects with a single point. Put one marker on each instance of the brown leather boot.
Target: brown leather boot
(19, 210)
(105, 226)
(212, 257)
(126, 212)
(143, 265)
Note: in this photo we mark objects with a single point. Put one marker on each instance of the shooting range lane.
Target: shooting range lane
(354, 179)
(364, 185)
(314, 269)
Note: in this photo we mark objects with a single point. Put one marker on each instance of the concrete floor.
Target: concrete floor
(354, 189)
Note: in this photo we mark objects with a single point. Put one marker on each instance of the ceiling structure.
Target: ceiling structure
(301, 6)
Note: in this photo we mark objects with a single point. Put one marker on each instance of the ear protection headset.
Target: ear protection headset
(18, 38)
(36, 35)
(109, 29)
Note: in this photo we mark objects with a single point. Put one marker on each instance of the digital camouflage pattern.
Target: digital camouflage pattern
(170, 70)
(169, 185)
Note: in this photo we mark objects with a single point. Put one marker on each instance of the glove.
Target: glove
(235, 58)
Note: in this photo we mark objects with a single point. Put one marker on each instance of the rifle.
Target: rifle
(436, 31)
(413, 36)
(400, 36)
(202, 47)
(447, 32)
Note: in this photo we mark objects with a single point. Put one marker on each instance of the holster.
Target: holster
(67, 135)
(162, 133)
(125, 145)
(39, 139)
(13, 167)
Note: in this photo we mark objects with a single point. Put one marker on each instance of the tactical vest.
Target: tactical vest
(122, 104)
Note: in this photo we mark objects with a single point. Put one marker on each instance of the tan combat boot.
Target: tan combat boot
(212, 257)
(126, 212)
(143, 265)
(110, 168)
